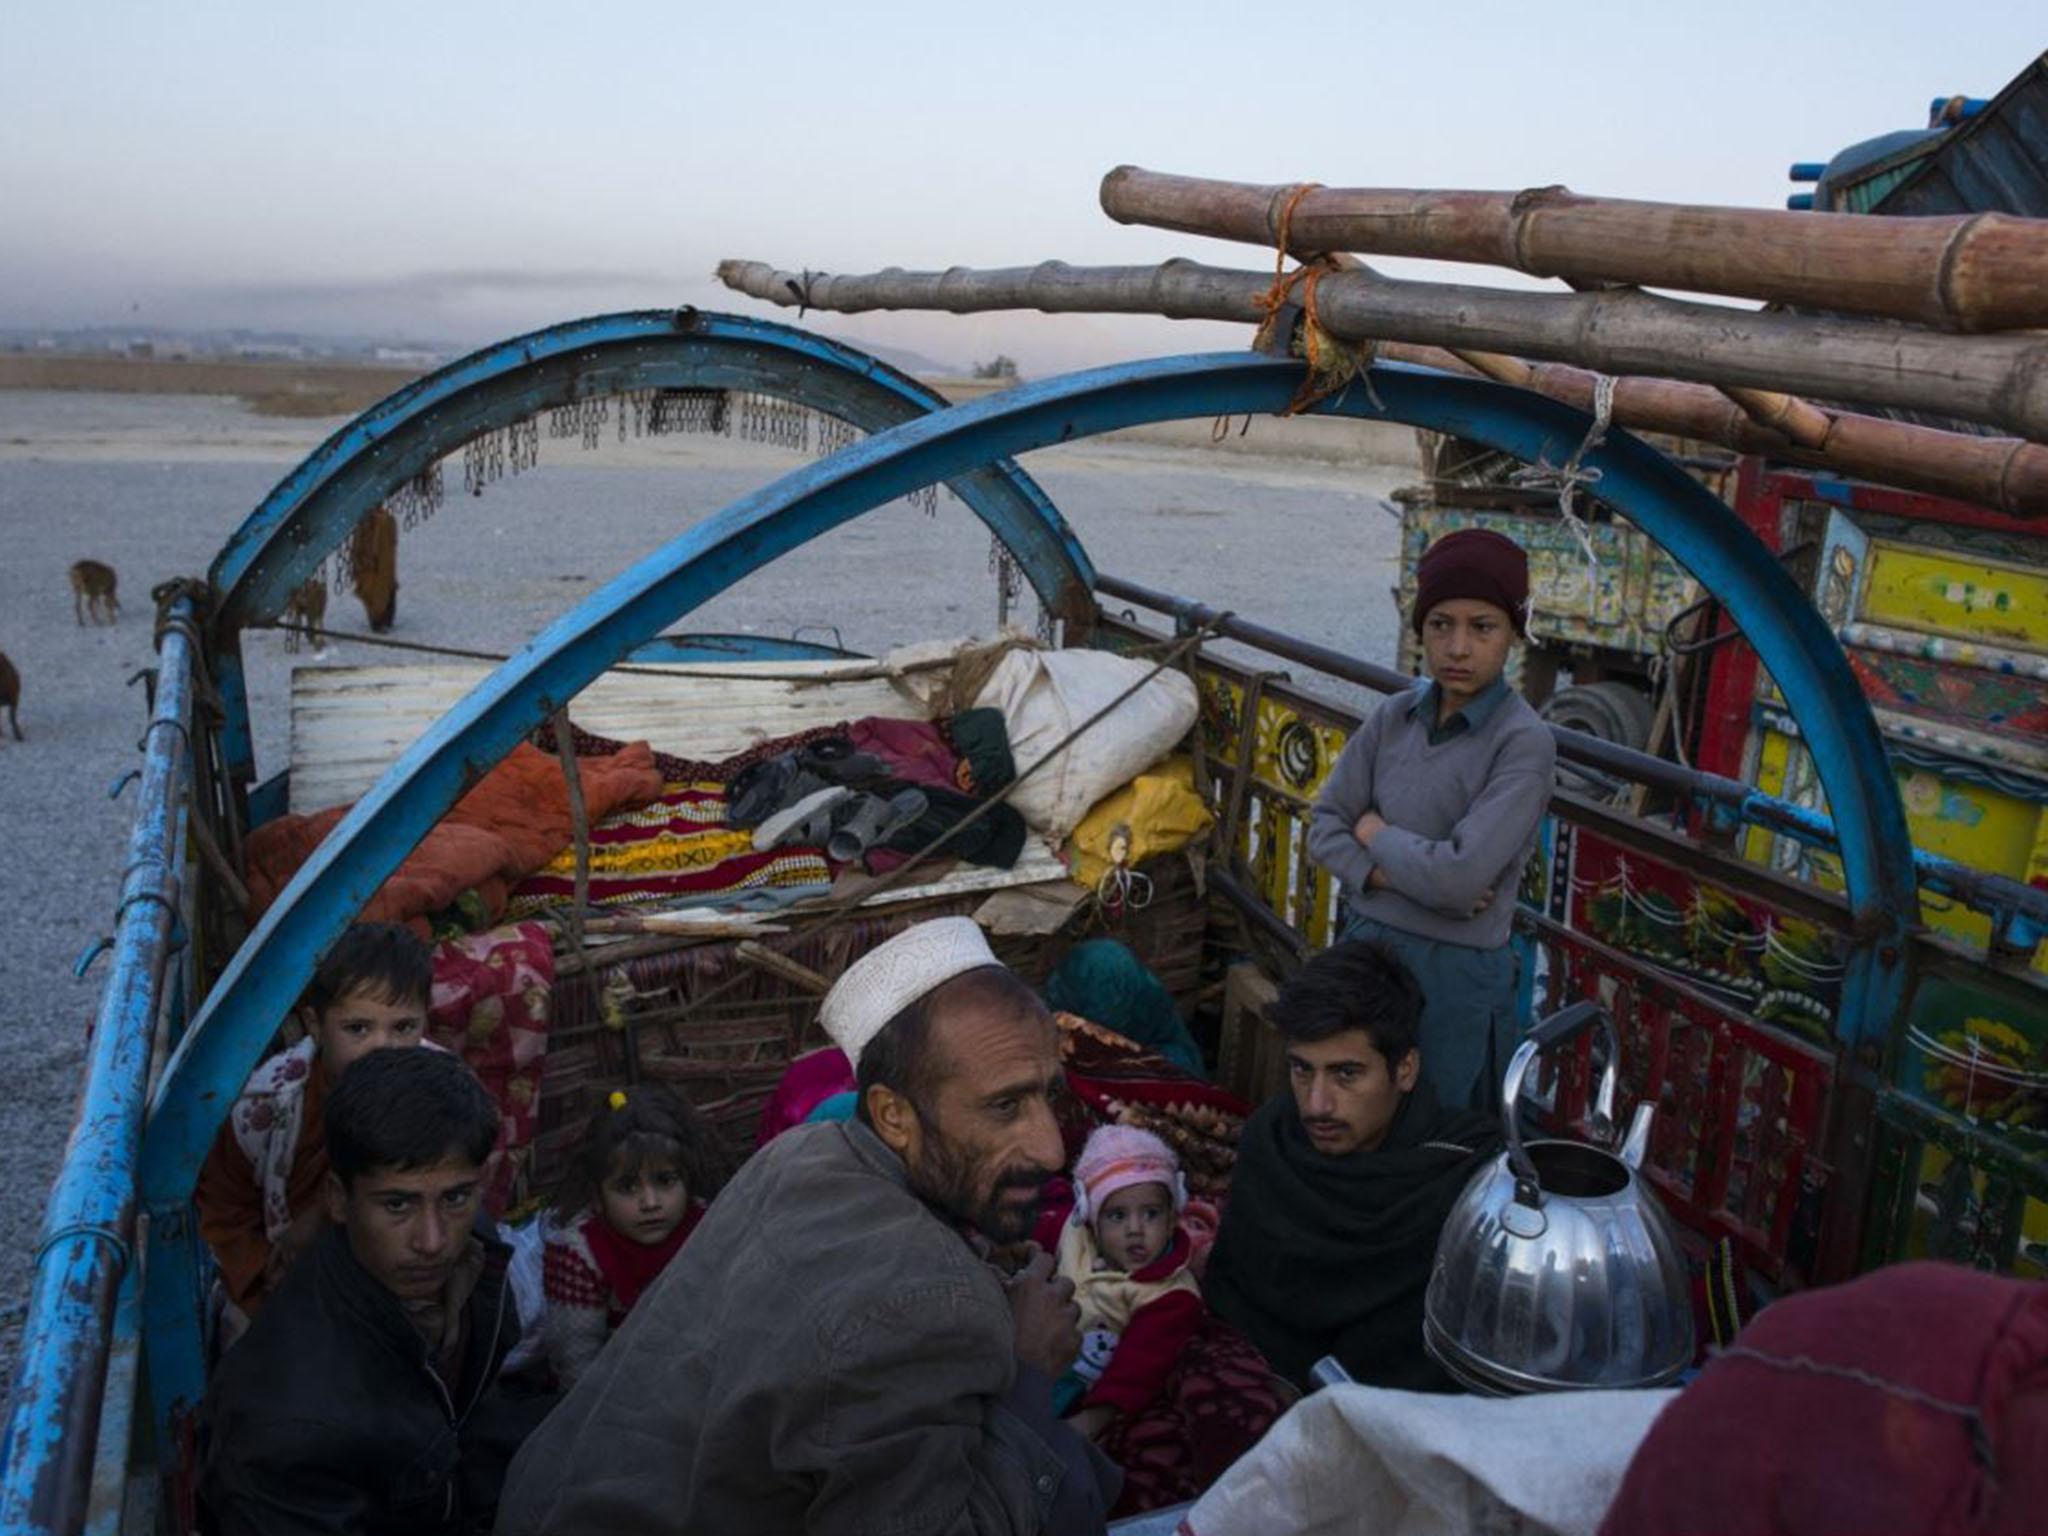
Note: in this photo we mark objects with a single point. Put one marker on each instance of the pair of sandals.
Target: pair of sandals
(767, 789)
(843, 821)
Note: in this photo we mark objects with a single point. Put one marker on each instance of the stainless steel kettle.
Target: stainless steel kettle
(1557, 1268)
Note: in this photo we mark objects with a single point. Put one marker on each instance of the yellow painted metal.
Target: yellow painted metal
(2030, 1263)
(1969, 823)
(1946, 592)
(1292, 755)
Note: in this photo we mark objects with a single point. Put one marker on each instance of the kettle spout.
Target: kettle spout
(1638, 1142)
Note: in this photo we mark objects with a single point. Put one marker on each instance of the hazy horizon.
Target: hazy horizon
(467, 172)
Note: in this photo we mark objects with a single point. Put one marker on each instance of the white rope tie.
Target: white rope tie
(1573, 476)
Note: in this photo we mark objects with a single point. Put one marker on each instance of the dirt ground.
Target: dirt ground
(267, 388)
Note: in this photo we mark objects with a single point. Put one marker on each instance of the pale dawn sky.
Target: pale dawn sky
(463, 171)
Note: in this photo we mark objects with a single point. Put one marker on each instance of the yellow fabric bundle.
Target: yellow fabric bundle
(1159, 806)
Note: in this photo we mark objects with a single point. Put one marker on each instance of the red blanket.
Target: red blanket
(676, 846)
(493, 1002)
(1112, 1080)
(512, 823)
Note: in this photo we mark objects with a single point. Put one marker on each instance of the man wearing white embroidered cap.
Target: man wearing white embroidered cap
(830, 1352)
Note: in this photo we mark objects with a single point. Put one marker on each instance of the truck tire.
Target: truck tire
(1613, 711)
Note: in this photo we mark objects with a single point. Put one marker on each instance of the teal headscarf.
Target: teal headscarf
(1104, 983)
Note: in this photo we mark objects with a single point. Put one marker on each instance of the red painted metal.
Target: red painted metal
(1732, 667)
(1683, 967)
(1740, 1108)
(1790, 485)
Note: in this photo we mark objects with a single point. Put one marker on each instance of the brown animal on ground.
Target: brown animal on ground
(306, 614)
(374, 554)
(10, 695)
(92, 591)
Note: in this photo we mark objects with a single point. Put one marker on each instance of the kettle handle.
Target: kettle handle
(1564, 1025)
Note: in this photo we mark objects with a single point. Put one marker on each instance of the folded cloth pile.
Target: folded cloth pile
(883, 790)
(680, 846)
(514, 820)
(1102, 981)
(768, 826)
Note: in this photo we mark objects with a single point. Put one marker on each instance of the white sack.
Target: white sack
(1366, 1461)
(1044, 695)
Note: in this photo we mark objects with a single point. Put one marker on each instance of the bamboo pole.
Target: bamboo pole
(2000, 472)
(1789, 419)
(1964, 272)
(2006, 473)
(1800, 421)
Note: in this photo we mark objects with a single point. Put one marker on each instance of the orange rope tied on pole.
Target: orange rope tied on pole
(1332, 363)
(1287, 223)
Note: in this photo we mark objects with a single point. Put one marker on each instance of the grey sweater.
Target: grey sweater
(1461, 813)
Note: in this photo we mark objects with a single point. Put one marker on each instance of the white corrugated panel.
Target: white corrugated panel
(349, 724)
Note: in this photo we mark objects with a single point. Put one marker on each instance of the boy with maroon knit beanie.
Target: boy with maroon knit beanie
(1432, 808)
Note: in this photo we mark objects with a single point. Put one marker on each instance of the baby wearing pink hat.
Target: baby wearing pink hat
(1128, 1258)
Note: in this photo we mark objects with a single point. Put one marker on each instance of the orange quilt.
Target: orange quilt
(511, 824)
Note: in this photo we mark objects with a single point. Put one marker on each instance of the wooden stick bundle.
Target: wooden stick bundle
(1715, 346)
(1964, 272)
(2008, 473)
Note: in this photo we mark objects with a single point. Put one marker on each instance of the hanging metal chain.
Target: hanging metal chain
(419, 498)
(586, 418)
(1047, 628)
(776, 422)
(483, 461)
(522, 444)
(1009, 578)
(834, 434)
(474, 458)
(686, 410)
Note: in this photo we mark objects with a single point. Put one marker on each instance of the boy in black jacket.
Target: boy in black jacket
(363, 1400)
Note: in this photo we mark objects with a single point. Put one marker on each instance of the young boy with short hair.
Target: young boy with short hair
(259, 1192)
(1432, 808)
(364, 1398)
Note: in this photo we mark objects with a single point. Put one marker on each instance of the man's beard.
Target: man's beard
(945, 1177)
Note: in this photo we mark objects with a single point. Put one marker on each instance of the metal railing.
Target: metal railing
(1740, 1047)
(48, 1458)
(2003, 899)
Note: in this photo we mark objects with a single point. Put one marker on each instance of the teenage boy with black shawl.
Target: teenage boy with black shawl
(1343, 1183)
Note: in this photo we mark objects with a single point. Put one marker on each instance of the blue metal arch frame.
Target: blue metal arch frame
(267, 975)
(315, 507)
